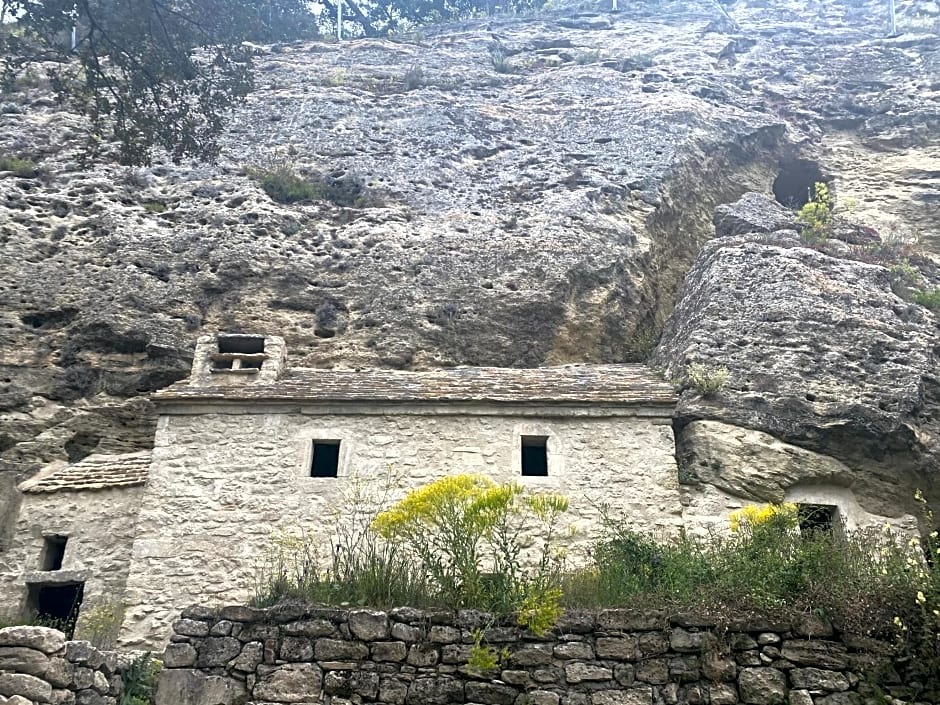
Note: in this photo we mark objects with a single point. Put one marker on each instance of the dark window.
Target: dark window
(325, 459)
(242, 344)
(817, 518)
(535, 456)
(56, 605)
(53, 551)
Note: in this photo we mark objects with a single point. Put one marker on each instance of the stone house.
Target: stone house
(247, 448)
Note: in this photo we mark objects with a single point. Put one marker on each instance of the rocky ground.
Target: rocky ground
(514, 191)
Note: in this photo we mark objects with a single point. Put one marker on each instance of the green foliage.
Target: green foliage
(706, 380)
(816, 215)
(24, 168)
(100, 624)
(918, 620)
(140, 681)
(154, 207)
(285, 184)
(484, 657)
(857, 579)
(149, 73)
(929, 299)
(499, 60)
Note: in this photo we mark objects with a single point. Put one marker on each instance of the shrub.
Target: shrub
(100, 624)
(284, 185)
(140, 681)
(499, 60)
(928, 299)
(467, 534)
(24, 168)
(816, 215)
(705, 380)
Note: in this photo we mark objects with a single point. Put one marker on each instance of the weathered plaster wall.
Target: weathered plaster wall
(100, 526)
(220, 484)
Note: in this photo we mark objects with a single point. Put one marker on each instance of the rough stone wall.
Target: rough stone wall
(220, 484)
(293, 654)
(37, 665)
(100, 526)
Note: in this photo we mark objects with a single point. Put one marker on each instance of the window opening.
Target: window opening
(53, 552)
(535, 456)
(56, 605)
(241, 344)
(817, 518)
(325, 461)
(239, 352)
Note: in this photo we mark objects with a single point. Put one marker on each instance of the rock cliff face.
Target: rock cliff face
(519, 191)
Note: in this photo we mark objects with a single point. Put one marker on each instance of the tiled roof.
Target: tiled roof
(579, 384)
(96, 472)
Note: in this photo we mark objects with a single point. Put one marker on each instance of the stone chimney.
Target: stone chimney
(237, 359)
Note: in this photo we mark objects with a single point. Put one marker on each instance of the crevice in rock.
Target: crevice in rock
(793, 186)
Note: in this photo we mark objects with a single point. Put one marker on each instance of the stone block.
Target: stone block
(258, 632)
(82, 677)
(290, 683)
(542, 697)
(743, 642)
(191, 627)
(574, 650)
(624, 673)
(768, 639)
(723, 694)
(25, 685)
(629, 620)
(392, 691)
(684, 669)
(405, 632)
(686, 642)
(296, 648)
(389, 651)
(818, 679)
(800, 697)
(310, 628)
(178, 686)
(654, 671)
(221, 628)
(642, 695)
(815, 653)
(22, 659)
(369, 625)
(534, 655)
(444, 635)
(576, 621)
(179, 656)
(423, 655)
(717, 668)
(59, 672)
(455, 653)
(435, 690)
(762, 686)
(199, 612)
(578, 672)
(217, 651)
(19, 700)
(249, 659)
(44, 639)
(548, 674)
(241, 613)
(652, 643)
(811, 626)
(100, 683)
(62, 696)
(338, 650)
(619, 648)
(490, 693)
(839, 699)
(348, 683)
(92, 697)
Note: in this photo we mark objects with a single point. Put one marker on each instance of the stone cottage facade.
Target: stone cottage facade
(248, 448)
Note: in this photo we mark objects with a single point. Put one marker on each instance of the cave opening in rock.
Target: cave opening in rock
(56, 605)
(817, 518)
(793, 186)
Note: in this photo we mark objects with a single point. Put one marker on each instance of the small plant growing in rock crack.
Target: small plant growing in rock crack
(706, 380)
(23, 168)
(816, 216)
(140, 680)
(484, 657)
(499, 60)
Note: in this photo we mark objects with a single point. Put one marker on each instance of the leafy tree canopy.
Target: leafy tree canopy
(148, 72)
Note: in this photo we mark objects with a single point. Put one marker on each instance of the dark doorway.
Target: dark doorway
(535, 456)
(56, 605)
(817, 518)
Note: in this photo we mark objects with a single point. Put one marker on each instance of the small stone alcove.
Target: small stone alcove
(793, 186)
(239, 353)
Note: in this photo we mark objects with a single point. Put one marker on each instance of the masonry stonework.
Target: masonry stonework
(220, 484)
(297, 654)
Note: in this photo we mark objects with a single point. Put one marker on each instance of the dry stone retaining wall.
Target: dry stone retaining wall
(38, 666)
(292, 654)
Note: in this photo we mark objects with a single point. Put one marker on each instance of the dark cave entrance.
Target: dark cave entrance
(56, 605)
(793, 186)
